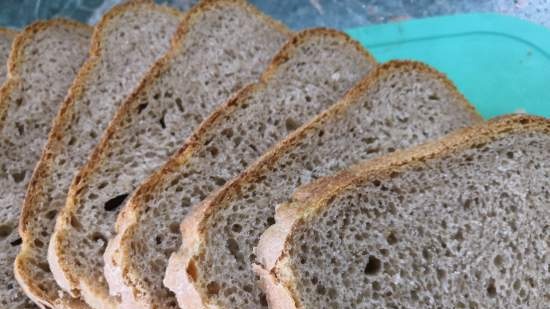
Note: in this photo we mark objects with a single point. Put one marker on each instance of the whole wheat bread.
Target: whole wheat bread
(308, 74)
(457, 223)
(125, 43)
(6, 38)
(42, 65)
(220, 46)
(397, 105)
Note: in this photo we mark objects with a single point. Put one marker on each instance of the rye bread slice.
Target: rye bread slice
(457, 223)
(220, 46)
(6, 38)
(397, 105)
(311, 72)
(125, 43)
(42, 65)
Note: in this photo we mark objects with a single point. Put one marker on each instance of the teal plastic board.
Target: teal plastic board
(500, 63)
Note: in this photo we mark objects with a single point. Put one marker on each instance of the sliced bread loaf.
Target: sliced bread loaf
(397, 105)
(457, 223)
(125, 43)
(6, 38)
(220, 46)
(42, 65)
(308, 74)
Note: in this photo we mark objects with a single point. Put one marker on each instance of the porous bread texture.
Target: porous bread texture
(42, 64)
(219, 47)
(457, 223)
(6, 38)
(397, 105)
(313, 70)
(125, 43)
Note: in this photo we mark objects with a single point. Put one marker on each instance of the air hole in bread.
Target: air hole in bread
(227, 132)
(18, 177)
(434, 97)
(491, 288)
(373, 266)
(392, 238)
(291, 124)
(174, 227)
(38, 243)
(320, 289)
(115, 202)
(5, 231)
(185, 202)
(441, 274)
(98, 237)
(16, 242)
(237, 140)
(179, 104)
(141, 107)
(213, 151)
(219, 181)
(233, 247)
(213, 288)
(237, 228)
(162, 122)
(72, 141)
(44, 266)
(102, 185)
(20, 128)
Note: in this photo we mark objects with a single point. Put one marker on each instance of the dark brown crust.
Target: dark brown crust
(197, 219)
(42, 170)
(129, 216)
(15, 61)
(314, 197)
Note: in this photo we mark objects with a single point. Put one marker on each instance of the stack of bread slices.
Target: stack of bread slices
(214, 158)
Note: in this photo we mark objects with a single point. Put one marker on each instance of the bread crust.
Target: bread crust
(308, 200)
(192, 227)
(35, 192)
(15, 62)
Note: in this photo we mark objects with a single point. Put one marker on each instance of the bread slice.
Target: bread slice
(457, 223)
(309, 73)
(125, 44)
(220, 46)
(397, 105)
(41, 67)
(6, 38)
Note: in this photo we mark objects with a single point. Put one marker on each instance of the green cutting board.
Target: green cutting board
(500, 63)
